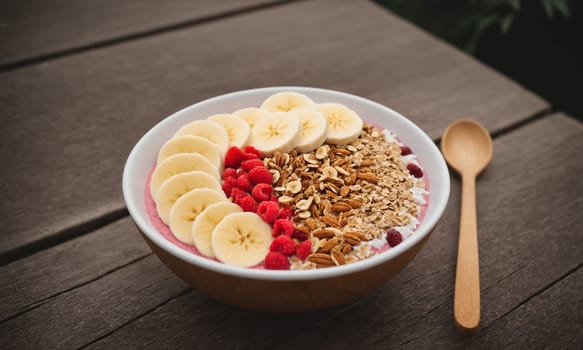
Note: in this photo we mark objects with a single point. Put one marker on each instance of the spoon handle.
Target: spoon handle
(466, 307)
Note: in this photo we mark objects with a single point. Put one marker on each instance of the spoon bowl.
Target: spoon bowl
(467, 146)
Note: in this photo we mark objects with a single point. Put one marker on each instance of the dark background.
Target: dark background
(537, 43)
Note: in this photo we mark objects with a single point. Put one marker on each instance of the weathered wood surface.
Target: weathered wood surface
(69, 124)
(29, 282)
(35, 29)
(144, 305)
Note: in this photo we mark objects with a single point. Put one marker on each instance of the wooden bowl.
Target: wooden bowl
(284, 291)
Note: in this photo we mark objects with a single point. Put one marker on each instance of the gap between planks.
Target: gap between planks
(9, 66)
(108, 218)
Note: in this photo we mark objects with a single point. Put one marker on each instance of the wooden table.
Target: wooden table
(81, 81)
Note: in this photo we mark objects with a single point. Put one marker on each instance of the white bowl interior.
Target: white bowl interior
(144, 154)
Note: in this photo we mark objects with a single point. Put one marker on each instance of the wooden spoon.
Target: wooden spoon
(467, 147)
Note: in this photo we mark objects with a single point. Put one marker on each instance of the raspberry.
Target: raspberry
(253, 150)
(283, 245)
(301, 234)
(240, 173)
(249, 156)
(247, 165)
(228, 184)
(229, 172)
(268, 211)
(247, 203)
(394, 237)
(260, 175)
(237, 195)
(405, 151)
(304, 249)
(276, 261)
(244, 184)
(282, 227)
(273, 198)
(262, 192)
(285, 213)
(233, 157)
(415, 170)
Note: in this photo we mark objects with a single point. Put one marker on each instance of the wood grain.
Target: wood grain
(75, 318)
(27, 283)
(40, 28)
(561, 308)
(525, 245)
(70, 123)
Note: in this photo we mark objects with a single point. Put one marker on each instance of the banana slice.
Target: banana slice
(237, 129)
(286, 101)
(191, 144)
(205, 223)
(208, 130)
(178, 185)
(188, 207)
(314, 129)
(344, 125)
(251, 115)
(278, 132)
(241, 239)
(181, 163)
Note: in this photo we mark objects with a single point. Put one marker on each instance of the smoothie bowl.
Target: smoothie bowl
(285, 198)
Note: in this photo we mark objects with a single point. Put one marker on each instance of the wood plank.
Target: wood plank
(87, 111)
(414, 309)
(551, 320)
(29, 282)
(74, 318)
(31, 29)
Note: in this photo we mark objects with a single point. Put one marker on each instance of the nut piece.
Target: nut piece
(285, 199)
(327, 247)
(354, 203)
(369, 177)
(294, 186)
(341, 207)
(322, 152)
(351, 239)
(330, 221)
(324, 233)
(329, 171)
(337, 257)
(304, 204)
(304, 214)
(320, 259)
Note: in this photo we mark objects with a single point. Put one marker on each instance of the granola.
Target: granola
(346, 195)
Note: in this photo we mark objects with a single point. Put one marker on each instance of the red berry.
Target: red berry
(247, 165)
(260, 175)
(283, 245)
(282, 227)
(244, 184)
(285, 213)
(253, 150)
(405, 151)
(415, 170)
(300, 235)
(247, 156)
(268, 211)
(228, 184)
(233, 157)
(304, 249)
(247, 203)
(273, 198)
(276, 261)
(229, 172)
(394, 237)
(240, 173)
(262, 192)
(237, 195)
